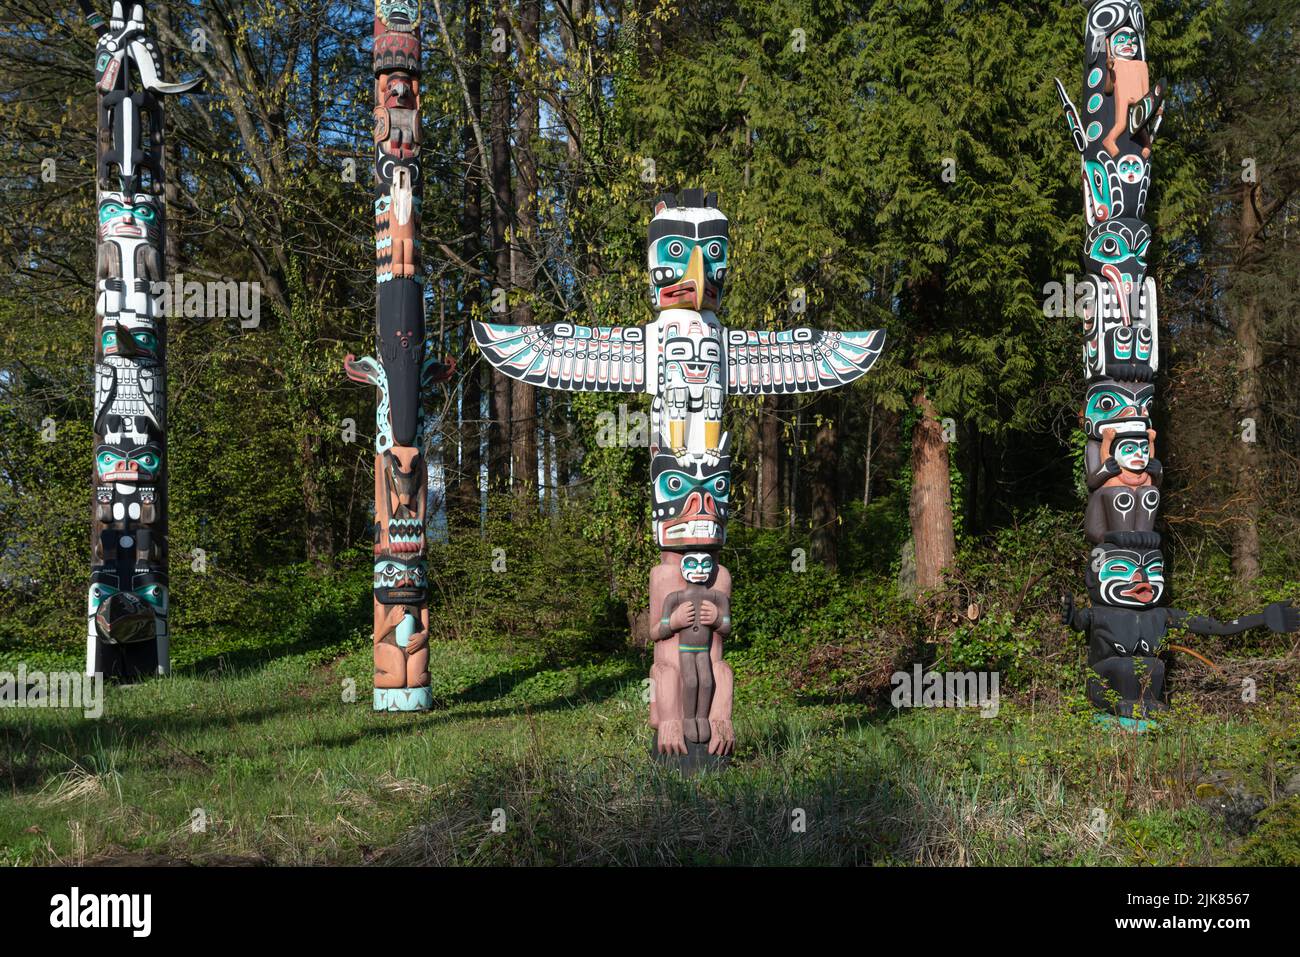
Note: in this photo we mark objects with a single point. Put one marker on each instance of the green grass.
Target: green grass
(285, 770)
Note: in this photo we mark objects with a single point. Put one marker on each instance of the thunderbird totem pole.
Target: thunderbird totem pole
(1128, 623)
(126, 619)
(689, 363)
(401, 374)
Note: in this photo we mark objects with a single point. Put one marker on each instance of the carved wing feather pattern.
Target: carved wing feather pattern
(798, 360)
(561, 355)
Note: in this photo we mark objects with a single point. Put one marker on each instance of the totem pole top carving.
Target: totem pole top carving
(685, 358)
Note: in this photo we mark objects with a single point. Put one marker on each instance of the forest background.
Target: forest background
(901, 164)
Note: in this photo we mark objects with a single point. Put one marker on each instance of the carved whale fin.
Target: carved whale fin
(1072, 117)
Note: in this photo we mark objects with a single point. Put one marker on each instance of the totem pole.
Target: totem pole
(126, 619)
(402, 375)
(1127, 625)
(688, 362)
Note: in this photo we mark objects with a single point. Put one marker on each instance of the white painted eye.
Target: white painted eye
(676, 249)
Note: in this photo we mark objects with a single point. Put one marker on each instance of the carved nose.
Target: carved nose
(697, 503)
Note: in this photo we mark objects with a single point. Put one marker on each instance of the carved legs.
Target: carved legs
(1121, 685)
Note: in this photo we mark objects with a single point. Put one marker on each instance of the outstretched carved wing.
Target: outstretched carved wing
(798, 360)
(564, 356)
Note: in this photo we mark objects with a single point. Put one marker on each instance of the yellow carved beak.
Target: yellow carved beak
(695, 271)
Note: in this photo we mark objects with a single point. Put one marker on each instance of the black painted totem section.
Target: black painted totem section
(1127, 625)
(126, 618)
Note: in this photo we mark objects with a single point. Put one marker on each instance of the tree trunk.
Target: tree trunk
(523, 402)
(866, 459)
(931, 504)
(1246, 457)
(769, 470)
(749, 475)
(499, 434)
(464, 501)
(823, 486)
(318, 524)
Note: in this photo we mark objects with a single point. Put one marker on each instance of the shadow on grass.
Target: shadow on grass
(636, 814)
(504, 683)
(34, 750)
(460, 707)
(326, 631)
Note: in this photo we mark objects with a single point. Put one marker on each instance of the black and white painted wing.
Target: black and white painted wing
(798, 360)
(561, 355)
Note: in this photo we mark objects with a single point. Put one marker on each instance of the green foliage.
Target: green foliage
(1276, 841)
(530, 583)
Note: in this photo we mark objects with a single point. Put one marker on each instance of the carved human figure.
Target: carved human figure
(693, 688)
(1127, 626)
(401, 629)
(1124, 477)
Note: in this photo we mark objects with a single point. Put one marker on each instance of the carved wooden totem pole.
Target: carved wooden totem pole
(401, 374)
(1127, 625)
(126, 618)
(689, 363)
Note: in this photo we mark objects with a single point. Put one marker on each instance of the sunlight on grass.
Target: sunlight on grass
(271, 764)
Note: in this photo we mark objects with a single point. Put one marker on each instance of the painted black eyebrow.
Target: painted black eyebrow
(688, 230)
(669, 227)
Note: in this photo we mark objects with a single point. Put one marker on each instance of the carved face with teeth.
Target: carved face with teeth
(128, 216)
(400, 581)
(698, 567)
(690, 502)
(1124, 407)
(115, 463)
(131, 450)
(400, 484)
